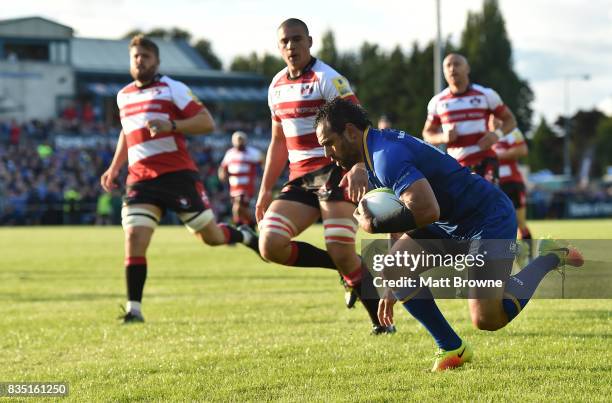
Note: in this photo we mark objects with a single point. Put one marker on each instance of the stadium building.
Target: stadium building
(45, 70)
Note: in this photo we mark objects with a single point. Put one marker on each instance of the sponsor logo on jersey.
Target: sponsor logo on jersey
(475, 101)
(307, 90)
(195, 99)
(342, 86)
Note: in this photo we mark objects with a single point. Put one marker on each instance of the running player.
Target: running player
(509, 149)
(458, 117)
(444, 201)
(156, 112)
(239, 167)
(317, 188)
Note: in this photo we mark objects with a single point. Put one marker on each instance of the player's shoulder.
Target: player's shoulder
(171, 83)
(321, 67)
(444, 94)
(481, 89)
(326, 73)
(277, 79)
(386, 139)
(131, 87)
(253, 152)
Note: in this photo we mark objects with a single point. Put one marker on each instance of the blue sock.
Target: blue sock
(424, 309)
(521, 286)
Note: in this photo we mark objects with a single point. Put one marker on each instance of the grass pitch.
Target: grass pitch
(223, 325)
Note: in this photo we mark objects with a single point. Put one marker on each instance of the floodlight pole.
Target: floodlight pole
(438, 53)
(567, 164)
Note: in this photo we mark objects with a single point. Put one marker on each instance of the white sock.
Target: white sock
(132, 306)
(246, 237)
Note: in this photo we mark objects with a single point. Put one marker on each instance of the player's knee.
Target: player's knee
(136, 237)
(197, 221)
(275, 233)
(209, 239)
(491, 324)
(271, 245)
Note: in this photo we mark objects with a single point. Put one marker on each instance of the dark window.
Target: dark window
(26, 51)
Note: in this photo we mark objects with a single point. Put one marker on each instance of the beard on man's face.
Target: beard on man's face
(143, 75)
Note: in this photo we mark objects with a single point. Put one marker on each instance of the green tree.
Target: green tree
(583, 135)
(204, 49)
(132, 33)
(603, 142)
(266, 65)
(328, 52)
(485, 43)
(546, 149)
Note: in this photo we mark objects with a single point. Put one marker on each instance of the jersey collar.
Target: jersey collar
(365, 150)
(458, 94)
(155, 79)
(306, 69)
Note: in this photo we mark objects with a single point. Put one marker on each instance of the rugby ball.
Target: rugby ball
(382, 202)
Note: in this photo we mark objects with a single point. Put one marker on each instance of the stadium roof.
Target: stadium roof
(111, 56)
(103, 64)
(178, 59)
(34, 27)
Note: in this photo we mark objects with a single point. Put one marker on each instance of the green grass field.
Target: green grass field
(223, 325)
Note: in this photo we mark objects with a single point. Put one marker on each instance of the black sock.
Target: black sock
(368, 296)
(306, 255)
(526, 237)
(135, 276)
(232, 235)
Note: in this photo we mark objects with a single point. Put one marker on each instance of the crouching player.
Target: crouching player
(442, 200)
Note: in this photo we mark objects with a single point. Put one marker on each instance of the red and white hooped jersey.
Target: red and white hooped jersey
(469, 114)
(241, 168)
(508, 169)
(164, 98)
(294, 104)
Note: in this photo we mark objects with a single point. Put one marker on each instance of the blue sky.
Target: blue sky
(551, 38)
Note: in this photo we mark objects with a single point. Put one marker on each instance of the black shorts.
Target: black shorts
(488, 168)
(516, 192)
(316, 186)
(181, 191)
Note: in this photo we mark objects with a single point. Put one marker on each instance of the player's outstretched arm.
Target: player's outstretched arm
(107, 180)
(276, 159)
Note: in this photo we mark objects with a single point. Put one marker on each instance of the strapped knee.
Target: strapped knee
(196, 221)
(340, 230)
(277, 224)
(138, 217)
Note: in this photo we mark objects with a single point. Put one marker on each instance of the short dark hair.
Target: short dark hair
(294, 22)
(338, 112)
(141, 40)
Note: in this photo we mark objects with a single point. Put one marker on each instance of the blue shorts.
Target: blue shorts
(491, 234)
